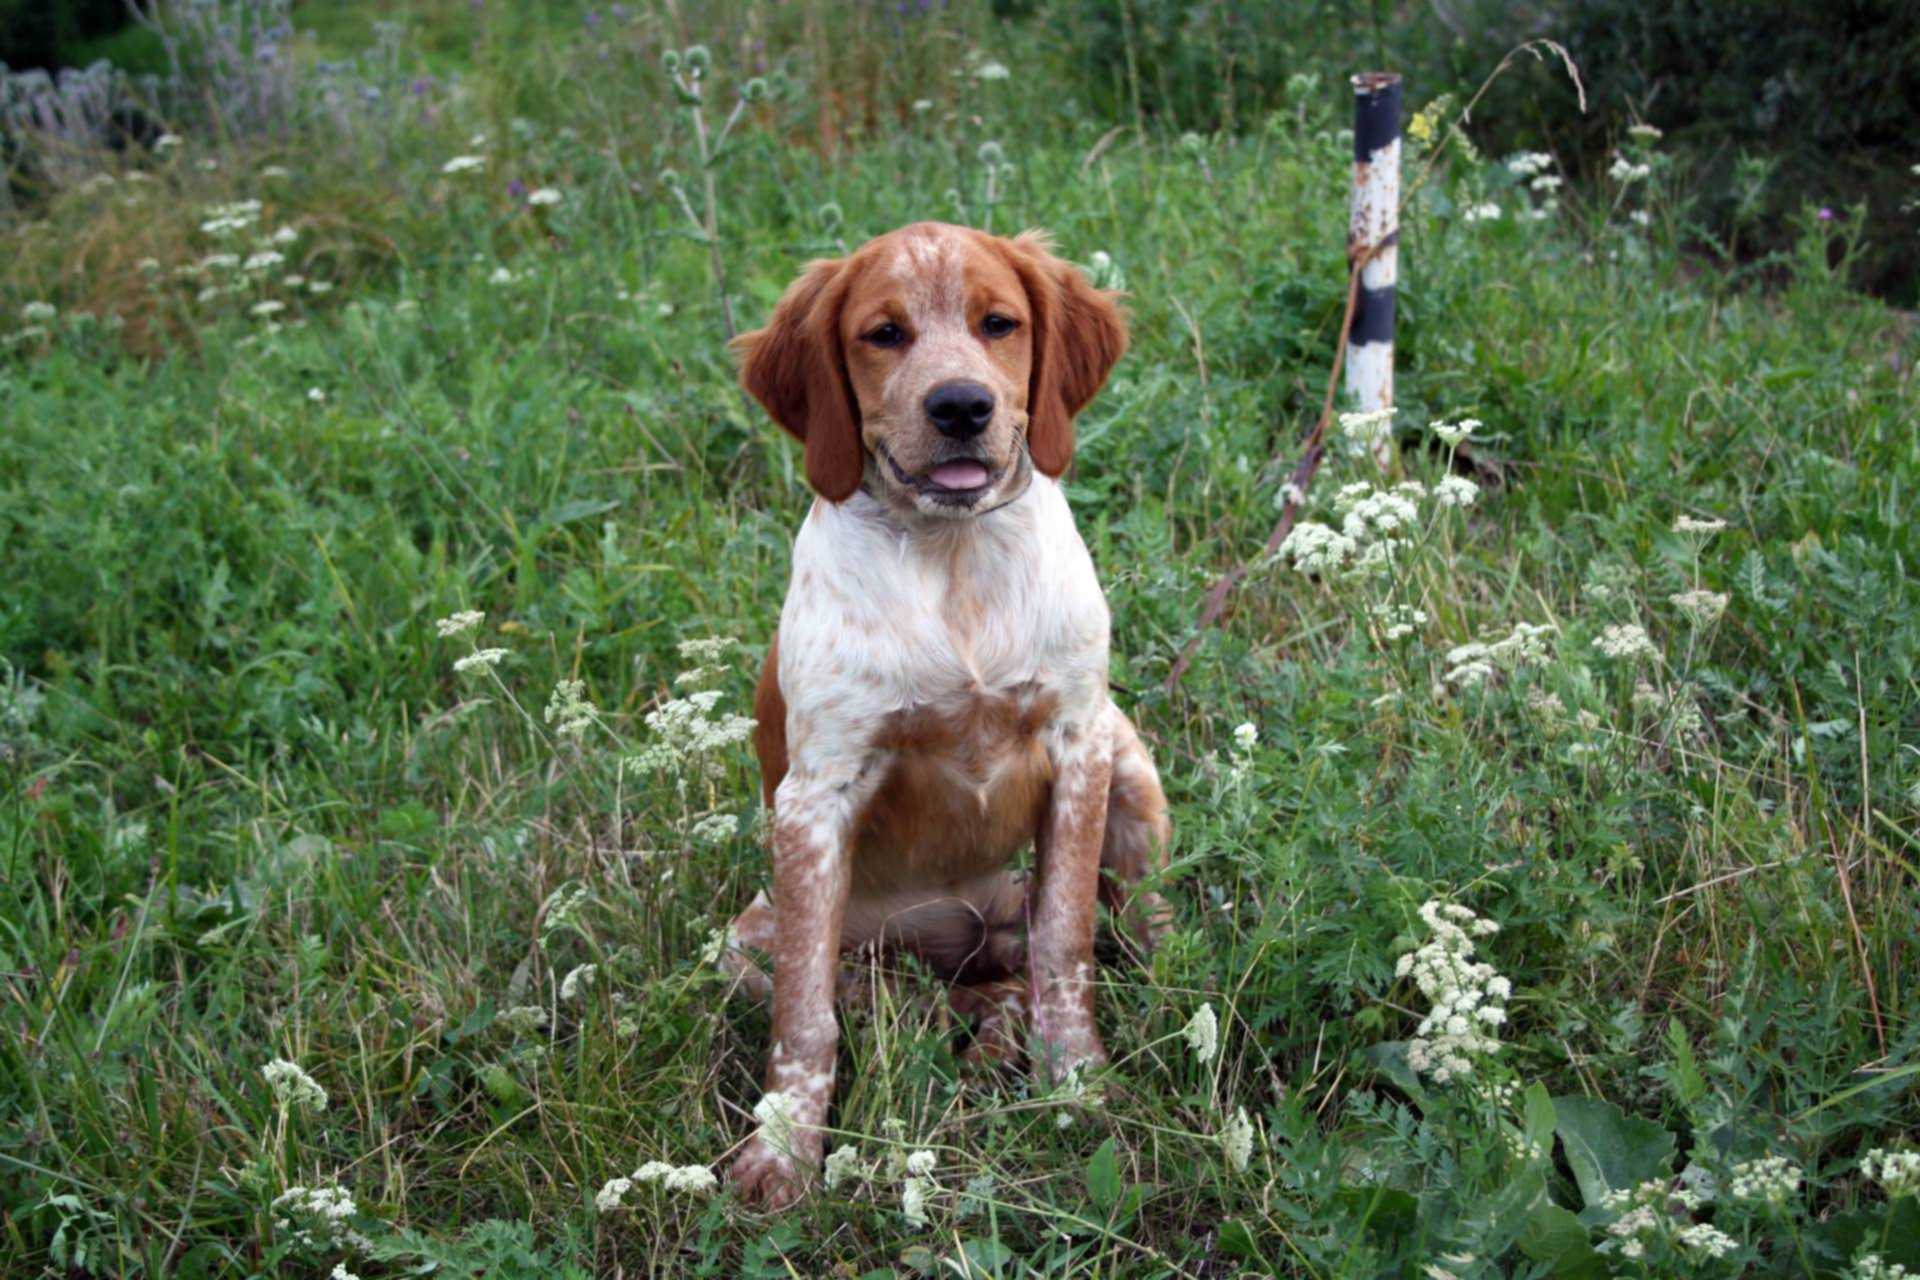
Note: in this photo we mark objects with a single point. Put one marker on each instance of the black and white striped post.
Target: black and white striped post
(1373, 235)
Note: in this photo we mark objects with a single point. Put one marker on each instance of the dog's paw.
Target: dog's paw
(766, 1178)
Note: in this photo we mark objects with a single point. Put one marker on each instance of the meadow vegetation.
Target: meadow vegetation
(386, 551)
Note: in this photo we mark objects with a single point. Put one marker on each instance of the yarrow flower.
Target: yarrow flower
(1624, 170)
(1626, 640)
(1468, 997)
(456, 623)
(843, 1164)
(607, 1199)
(317, 1216)
(294, 1087)
(1871, 1266)
(479, 660)
(1705, 1238)
(1486, 212)
(714, 828)
(991, 71)
(1202, 1033)
(38, 312)
(1527, 163)
(544, 196)
(464, 164)
(1313, 547)
(1773, 1179)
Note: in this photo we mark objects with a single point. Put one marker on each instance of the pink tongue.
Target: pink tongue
(959, 475)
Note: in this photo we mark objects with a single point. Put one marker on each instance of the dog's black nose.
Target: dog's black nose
(960, 409)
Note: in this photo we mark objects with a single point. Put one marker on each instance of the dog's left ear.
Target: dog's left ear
(1079, 332)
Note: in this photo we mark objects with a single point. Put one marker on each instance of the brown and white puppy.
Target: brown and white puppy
(936, 699)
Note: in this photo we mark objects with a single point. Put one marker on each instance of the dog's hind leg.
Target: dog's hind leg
(1135, 844)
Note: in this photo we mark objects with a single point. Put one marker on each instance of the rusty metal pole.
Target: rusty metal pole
(1373, 233)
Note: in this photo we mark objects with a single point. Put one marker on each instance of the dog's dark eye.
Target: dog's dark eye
(998, 326)
(887, 335)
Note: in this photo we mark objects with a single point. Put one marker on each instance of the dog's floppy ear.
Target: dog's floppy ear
(1079, 333)
(796, 369)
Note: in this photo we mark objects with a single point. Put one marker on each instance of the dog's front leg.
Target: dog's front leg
(812, 861)
(1060, 946)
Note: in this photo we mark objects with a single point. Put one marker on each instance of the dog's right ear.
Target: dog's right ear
(795, 368)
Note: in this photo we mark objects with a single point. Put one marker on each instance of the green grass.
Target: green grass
(248, 810)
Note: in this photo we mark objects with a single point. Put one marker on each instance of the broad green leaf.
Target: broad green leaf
(1556, 1237)
(1103, 1176)
(1607, 1149)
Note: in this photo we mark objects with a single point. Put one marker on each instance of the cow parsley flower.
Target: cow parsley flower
(921, 1163)
(1624, 170)
(607, 1199)
(1703, 608)
(1547, 182)
(1773, 1179)
(1467, 996)
(1203, 1034)
(523, 1019)
(340, 1272)
(1897, 1172)
(843, 1164)
(1486, 212)
(1246, 735)
(1236, 1140)
(1313, 547)
(991, 71)
(1688, 524)
(568, 710)
(1645, 132)
(1368, 427)
(263, 260)
(38, 312)
(715, 828)
(270, 307)
(464, 164)
(1455, 491)
(1871, 1266)
(316, 396)
(294, 1087)
(479, 660)
(1527, 163)
(1705, 1238)
(1626, 640)
(456, 623)
(317, 1216)
(913, 1200)
(544, 196)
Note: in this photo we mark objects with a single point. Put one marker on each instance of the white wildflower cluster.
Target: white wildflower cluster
(1624, 170)
(1468, 997)
(1706, 1239)
(1772, 1179)
(38, 312)
(776, 1113)
(1626, 640)
(706, 649)
(1547, 182)
(1454, 433)
(1526, 164)
(523, 1019)
(459, 623)
(479, 660)
(1236, 1140)
(1470, 664)
(293, 1087)
(691, 1178)
(317, 1216)
(682, 727)
(1689, 524)
(1897, 1172)
(844, 1164)
(1702, 608)
(715, 828)
(1678, 704)
(1202, 1034)
(1245, 735)
(464, 164)
(545, 196)
(1871, 1266)
(1645, 132)
(1455, 491)
(1313, 547)
(568, 710)
(1642, 1212)
(225, 219)
(917, 1185)
(1369, 427)
(1398, 621)
(578, 980)
(1485, 212)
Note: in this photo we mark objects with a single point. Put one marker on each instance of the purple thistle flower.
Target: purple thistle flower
(517, 189)
(1825, 214)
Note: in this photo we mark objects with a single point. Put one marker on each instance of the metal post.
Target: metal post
(1374, 228)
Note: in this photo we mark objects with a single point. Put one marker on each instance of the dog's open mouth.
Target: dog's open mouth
(957, 480)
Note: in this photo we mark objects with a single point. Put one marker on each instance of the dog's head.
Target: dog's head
(940, 362)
